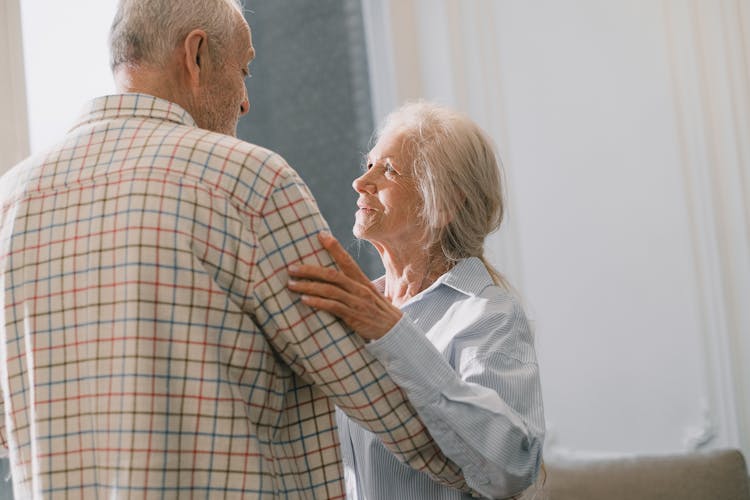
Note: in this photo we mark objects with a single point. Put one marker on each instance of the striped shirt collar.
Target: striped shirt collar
(133, 106)
(469, 276)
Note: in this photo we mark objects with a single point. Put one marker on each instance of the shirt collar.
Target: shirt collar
(133, 106)
(469, 276)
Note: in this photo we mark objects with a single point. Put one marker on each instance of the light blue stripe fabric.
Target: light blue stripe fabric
(464, 354)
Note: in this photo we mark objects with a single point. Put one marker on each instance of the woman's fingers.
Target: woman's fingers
(332, 306)
(369, 323)
(320, 289)
(319, 273)
(327, 275)
(345, 261)
(332, 299)
(347, 294)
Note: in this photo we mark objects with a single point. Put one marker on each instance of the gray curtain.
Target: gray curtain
(310, 101)
(6, 487)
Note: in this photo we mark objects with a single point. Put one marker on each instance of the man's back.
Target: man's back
(150, 344)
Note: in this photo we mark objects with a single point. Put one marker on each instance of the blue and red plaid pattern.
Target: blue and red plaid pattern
(149, 344)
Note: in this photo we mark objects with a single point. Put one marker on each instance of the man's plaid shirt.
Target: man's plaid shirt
(149, 345)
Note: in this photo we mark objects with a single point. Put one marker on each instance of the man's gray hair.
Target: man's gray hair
(147, 31)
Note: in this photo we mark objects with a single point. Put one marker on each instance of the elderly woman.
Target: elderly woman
(442, 320)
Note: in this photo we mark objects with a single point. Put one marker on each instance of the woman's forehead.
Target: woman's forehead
(391, 144)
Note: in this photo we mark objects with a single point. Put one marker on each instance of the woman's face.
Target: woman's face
(388, 203)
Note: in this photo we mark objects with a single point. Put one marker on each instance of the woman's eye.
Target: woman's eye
(386, 166)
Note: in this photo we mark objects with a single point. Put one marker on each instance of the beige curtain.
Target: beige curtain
(14, 134)
(709, 51)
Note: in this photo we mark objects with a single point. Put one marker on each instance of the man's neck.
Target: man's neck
(143, 79)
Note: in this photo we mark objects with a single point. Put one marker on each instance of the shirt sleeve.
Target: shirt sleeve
(316, 346)
(488, 415)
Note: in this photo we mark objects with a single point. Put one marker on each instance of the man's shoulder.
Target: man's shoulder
(153, 127)
(224, 163)
(233, 153)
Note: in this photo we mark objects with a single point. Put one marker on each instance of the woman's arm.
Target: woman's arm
(487, 416)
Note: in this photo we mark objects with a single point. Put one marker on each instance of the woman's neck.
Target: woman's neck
(409, 272)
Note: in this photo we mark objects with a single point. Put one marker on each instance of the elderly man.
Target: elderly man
(150, 346)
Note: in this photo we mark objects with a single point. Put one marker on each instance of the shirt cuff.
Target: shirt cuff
(413, 363)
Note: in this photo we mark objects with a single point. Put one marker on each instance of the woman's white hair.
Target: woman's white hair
(458, 176)
(147, 31)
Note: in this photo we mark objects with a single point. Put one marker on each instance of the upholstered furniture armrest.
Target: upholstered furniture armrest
(720, 474)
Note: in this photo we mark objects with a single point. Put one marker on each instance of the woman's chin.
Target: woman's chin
(361, 231)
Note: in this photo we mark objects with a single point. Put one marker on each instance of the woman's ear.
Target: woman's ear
(444, 216)
(196, 51)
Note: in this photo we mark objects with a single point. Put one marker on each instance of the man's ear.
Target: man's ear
(196, 54)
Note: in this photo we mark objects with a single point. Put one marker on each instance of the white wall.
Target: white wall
(14, 141)
(67, 62)
(55, 58)
(623, 126)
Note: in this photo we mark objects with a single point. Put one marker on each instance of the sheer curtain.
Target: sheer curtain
(709, 53)
(14, 134)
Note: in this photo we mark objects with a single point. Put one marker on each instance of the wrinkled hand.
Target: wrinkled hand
(347, 294)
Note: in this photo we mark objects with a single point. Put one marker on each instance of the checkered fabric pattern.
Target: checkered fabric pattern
(150, 347)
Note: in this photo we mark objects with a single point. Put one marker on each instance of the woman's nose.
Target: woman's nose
(363, 183)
